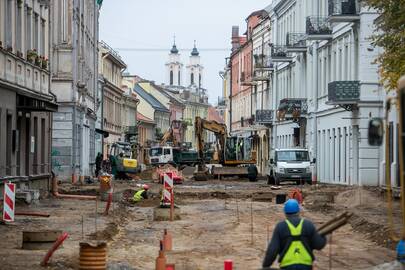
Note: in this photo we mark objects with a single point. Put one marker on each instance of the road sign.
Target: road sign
(9, 202)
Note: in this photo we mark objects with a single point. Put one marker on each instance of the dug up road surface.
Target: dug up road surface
(229, 219)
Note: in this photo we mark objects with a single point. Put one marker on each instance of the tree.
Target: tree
(390, 35)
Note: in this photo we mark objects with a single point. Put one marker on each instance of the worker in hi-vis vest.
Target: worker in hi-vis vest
(141, 194)
(293, 241)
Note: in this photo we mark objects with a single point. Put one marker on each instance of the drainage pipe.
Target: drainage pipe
(68, 196)
(55, 246)
(32, 214)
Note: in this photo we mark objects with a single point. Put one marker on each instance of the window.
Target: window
(178, 81)
(171, 77)
(192, 78)
(36, 31)
(9, 23)
(18, 25)
(167, 151)
(28, 28)
(43, 37)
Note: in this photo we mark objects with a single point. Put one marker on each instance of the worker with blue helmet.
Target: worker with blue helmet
(293, 241)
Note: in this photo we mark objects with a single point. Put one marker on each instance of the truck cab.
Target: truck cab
(290, 165)
(160, 155)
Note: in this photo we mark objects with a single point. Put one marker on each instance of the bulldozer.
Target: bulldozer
(232, 153)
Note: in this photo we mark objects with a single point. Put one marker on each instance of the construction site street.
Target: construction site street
(231, 219)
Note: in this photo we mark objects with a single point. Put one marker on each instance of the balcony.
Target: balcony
(342, 11)
(131, 130)
(280, 54)
(296, 42)
(292, 109)
(263, 62)
(244, 80)
(318, 28)
(264, 116)
(344, 93)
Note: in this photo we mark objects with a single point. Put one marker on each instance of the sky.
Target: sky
(151, 24)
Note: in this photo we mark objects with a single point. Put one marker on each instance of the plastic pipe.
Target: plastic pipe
(55, 246)
(228, 265)
(32, 214)
(68, 196)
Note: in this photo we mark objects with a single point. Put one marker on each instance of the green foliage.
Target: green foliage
(390, 35)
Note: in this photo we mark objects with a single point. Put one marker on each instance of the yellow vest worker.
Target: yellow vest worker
(141, 194)
(293, 241)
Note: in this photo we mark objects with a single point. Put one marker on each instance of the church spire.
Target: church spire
(174, 49)
(195, 51)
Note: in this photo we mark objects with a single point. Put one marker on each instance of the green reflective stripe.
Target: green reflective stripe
(138, 195)
(296, 252)
(295, 231)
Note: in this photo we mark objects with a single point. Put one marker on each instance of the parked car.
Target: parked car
(290, 165)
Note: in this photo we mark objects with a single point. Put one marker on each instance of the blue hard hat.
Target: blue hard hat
(291, 206)
(401, 251)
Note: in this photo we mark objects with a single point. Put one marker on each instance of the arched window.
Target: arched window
(171, 77)
(192, 78)
(199, 80)
(179, 78)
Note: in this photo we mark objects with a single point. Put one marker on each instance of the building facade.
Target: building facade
(74, 65)
(27, 100)
(110, 67)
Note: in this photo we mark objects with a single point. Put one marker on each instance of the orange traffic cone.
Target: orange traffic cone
(167, 241)
(161, 259)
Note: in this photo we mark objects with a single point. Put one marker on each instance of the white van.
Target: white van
(290, 165)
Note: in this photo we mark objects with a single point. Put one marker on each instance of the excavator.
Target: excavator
(231, 152)
(396, 106)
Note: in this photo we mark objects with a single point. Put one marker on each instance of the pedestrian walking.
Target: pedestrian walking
(293, 241)
(99, 160)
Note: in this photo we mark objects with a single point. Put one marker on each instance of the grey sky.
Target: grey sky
(152, 24)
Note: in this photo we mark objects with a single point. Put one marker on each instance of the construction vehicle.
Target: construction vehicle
(394, 105)
(232, 153)
(122, 153)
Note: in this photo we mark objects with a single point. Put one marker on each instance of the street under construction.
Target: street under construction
(215, 221)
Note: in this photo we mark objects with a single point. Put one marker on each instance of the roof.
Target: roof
(143, 118)
(260, 13)
(214, 115)
(150, 99)
(169, 95)
(174, 49)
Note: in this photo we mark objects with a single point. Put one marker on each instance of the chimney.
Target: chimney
(235, 38)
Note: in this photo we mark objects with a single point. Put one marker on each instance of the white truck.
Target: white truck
(290, 165)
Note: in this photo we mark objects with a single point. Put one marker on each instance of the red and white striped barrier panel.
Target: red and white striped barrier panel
(9, 202)
(167, 188)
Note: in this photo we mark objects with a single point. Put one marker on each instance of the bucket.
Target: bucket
(105, 182)
(93, 256)
(280, 198)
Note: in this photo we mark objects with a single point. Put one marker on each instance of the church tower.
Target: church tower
(174, 67)
(195, 69)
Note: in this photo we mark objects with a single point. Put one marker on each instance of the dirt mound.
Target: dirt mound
(375, 232)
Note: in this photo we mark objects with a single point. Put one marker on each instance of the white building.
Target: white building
(174, 68)
(325, 86)
(195, 69)
(74, 65)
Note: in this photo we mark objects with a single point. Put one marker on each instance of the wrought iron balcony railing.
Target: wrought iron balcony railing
(280, 54)
(342, 11)
(296, 42)
(318, 28)
(264, 116)
(292, 108)
(343, 92)
(131, 130)
(262, 61)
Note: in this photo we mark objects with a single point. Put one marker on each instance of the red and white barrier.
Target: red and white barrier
(9, 202)
(167, 188)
